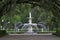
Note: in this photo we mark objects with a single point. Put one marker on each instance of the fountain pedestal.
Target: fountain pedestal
(30, 31)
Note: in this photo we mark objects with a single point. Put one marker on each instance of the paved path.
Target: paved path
(30, 37)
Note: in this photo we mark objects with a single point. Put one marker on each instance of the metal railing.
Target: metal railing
(22, 31)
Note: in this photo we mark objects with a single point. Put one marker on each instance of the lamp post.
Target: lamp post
(8, 22)
(2, 25)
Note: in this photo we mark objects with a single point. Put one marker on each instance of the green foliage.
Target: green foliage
(16, 18)
(21, 13)
(23, 10)
(3, 33)
(57, 32)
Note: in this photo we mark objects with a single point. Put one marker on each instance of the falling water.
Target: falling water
(30, 29)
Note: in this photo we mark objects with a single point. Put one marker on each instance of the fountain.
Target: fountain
(28, 27)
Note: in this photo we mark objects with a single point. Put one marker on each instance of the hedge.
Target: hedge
(57, 33)
(3, 33)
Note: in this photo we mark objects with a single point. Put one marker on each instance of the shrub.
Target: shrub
(3, 33)
(58, 32)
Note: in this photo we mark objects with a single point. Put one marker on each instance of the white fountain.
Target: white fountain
(30, 25)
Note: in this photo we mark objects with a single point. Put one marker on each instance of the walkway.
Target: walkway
(30, 37)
